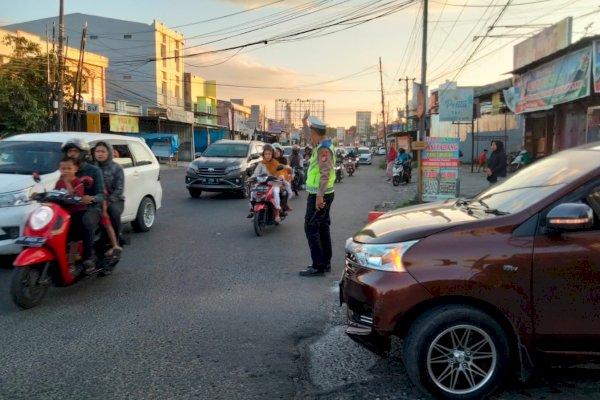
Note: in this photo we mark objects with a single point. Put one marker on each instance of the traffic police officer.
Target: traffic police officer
(319, 185)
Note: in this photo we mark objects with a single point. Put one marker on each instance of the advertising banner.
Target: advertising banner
(456, 105)
(597, 66)
(548, 41)
(124, 123)
(560, 81)
(440, 163)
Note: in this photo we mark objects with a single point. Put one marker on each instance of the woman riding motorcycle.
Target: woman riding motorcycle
(268, 166)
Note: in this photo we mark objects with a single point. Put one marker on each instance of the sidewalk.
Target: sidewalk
(470, 185)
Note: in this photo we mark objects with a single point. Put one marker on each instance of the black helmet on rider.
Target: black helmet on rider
(82, 146)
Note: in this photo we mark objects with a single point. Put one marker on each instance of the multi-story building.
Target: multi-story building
(93, 89)
(363, 124)
(146, 63)
(200, 96)
(233, 115)
(257, 117)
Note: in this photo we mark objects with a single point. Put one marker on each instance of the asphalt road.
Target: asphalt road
(200, 307)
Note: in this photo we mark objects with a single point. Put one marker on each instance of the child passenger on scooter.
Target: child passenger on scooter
(68, 167)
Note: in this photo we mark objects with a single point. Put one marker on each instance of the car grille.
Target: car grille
(211, 171)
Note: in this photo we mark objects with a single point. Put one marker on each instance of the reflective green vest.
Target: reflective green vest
(313, 175)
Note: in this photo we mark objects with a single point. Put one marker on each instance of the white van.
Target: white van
(22, 155)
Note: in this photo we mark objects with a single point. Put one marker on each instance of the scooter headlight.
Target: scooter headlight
(41, 217)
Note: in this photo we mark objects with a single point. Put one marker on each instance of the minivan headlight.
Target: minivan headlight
(10, 199)
(382, 257)
(232, 168)
(193, 168)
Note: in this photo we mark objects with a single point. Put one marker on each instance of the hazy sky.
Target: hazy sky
(311, 64)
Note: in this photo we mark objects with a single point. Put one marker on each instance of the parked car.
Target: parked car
(381, 151)
(483, 289)
(22, 155)
(364, 155)
(224, 167)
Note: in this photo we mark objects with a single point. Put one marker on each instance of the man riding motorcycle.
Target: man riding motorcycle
(93, 196)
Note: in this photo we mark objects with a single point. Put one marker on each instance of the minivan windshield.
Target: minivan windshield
(531, 184)
(364, 151)
(27, 157)
(238, 150)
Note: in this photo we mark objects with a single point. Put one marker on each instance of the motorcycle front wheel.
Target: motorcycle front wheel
(259, 222)
(396, 180)
(25, 288)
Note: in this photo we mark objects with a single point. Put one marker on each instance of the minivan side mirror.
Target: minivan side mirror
(198, 155)
(570, 217)
(254, 156)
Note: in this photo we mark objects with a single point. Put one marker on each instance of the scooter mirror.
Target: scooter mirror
(36, 177)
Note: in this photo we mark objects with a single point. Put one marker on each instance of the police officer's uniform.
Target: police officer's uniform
(321, 170)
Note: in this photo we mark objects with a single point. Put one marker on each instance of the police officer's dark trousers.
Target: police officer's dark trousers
(316, 228)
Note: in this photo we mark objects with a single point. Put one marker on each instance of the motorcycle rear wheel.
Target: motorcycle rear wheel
(25, 287)
(259, 222)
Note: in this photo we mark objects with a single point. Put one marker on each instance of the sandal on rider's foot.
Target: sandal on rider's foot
(277, 220)
(250, 215)
(290, 208)
(90, 267)
(114, 252)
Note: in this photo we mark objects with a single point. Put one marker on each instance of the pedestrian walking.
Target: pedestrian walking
(482, 158)
(319, 185)
(391, 159)
(496, 168)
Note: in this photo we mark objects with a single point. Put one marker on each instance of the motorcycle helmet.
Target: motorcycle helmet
(82, 146)
(295, 149)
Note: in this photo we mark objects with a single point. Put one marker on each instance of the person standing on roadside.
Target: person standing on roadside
(496, 167)
(482, 158)
(391, 159)
(319, 185)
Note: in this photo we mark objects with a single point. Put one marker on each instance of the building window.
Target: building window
(164, 38)
(164, 73)
(209, 109)
(126, 36)
(177, 92)
(177, 60)
(163, 54)
(93, 37)
(164, 88)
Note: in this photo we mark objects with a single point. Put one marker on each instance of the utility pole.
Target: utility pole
(78, 83)
(61, 65)
(421, 133)
(383, 108)
(406, 91)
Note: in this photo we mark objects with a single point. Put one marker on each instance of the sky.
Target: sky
(338, 64)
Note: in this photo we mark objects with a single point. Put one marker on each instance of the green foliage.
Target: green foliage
(383, 164)
(25, 90)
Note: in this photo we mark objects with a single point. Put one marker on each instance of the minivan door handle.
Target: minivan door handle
(136, 173)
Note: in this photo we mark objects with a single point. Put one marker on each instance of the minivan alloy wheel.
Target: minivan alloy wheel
(456, 352)
(461, 359)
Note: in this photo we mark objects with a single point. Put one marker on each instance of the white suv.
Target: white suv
(22, 155)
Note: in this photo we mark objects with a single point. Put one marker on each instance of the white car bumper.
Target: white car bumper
(12, 222)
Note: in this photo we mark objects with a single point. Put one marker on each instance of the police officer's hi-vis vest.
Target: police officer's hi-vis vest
(314, 172)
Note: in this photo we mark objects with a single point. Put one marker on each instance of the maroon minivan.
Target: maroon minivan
(483, 289)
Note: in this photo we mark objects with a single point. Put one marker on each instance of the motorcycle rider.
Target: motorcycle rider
(287, 173)
(268, 166)
(93, 196)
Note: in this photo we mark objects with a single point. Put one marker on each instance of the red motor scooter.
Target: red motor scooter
(44, 257)
(263, 203)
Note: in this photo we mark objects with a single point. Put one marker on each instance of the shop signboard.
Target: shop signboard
(563, 80)
(124, 123)
(456, 105)
(597, 66)
(440, 162)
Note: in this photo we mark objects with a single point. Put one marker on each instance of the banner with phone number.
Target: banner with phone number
(440, 162)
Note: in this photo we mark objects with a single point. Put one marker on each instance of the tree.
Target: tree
(26, 87)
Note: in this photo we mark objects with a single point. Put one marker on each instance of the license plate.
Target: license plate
(211, 180)
(30, 241)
